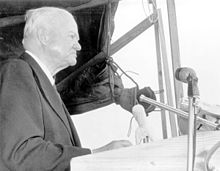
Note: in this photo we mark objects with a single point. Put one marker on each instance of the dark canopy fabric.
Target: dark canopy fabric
(15, 7)
(82, 88)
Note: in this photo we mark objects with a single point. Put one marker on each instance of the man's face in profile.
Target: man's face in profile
(64, 43)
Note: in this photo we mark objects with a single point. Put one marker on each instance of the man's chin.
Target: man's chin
(73, 62)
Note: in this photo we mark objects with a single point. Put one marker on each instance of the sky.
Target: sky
(198, 31)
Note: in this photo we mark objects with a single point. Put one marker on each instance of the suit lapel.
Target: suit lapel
(48, 91)
(74, 133)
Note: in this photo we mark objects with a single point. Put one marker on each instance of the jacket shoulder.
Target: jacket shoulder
(13, 62)
(16, 65)
(16, 69)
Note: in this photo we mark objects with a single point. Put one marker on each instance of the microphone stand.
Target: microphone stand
(193, 93)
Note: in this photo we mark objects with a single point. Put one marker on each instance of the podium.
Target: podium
(165, 155)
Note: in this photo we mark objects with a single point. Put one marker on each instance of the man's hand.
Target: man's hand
(113, 145)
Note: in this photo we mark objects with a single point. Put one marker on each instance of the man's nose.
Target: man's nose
(77, 46)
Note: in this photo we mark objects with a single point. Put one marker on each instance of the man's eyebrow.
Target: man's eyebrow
(72, 33)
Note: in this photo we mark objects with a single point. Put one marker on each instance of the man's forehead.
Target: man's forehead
(69, 25)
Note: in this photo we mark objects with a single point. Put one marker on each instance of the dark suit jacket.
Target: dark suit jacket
(36, 131)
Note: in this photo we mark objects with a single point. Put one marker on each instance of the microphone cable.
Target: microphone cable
(209, 155)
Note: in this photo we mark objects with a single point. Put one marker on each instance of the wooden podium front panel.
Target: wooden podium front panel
(164, 155)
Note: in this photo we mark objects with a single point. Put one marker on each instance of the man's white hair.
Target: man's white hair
(42, 17)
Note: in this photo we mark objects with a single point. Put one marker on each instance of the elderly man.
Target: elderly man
(36, 130)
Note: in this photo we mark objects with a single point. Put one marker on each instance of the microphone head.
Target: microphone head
(188, 75)
(183, 73)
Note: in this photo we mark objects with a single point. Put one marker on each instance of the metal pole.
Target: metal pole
(191, 135)
(177, 111)
(193, 93)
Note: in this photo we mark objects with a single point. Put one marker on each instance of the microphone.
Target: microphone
(188, 75)
(144, 133)
(183, 74)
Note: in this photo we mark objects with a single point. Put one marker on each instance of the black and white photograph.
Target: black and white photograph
(109, 85)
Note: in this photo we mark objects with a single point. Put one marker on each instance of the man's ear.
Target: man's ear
(42, 35)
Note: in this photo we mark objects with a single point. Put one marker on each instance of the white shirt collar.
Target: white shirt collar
(43, 67)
